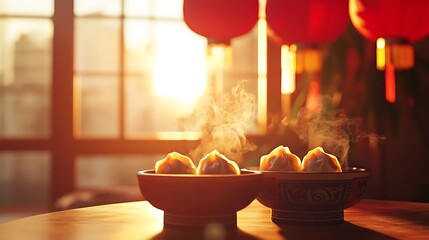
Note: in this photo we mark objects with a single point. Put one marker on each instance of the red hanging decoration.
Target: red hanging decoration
(220, 20)
(304, 25)
(307, 21)
(390, 18)
(390, 83)
(394, 24)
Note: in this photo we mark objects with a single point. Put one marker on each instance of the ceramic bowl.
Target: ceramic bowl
(298, 197)
(198, 200)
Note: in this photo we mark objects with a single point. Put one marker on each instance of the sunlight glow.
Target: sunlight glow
(25, 7)
(178, 74)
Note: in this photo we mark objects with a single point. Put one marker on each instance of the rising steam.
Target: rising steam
(223, 122)
(330, 129)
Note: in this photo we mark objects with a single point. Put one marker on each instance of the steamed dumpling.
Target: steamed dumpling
(317, 160)
(175, 163)
(280, 159)
(216, 163)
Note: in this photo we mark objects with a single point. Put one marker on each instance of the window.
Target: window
(25, 69)
(153, 60)
(119, 80)
(26, 34)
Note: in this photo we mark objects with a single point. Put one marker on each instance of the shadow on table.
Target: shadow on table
(420, 218)
(211, 233)
(345, 230)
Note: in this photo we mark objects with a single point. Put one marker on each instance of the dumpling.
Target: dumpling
(216, 163)
(280, 159)
(317, 160)
(175, 163)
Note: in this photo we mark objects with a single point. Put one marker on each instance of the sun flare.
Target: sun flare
(180, 72)
(173, 81)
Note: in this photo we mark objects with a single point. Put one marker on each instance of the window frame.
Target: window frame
(62, 144)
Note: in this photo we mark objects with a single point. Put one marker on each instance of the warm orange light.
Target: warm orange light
(396, 52)
(287, 70)
(308, 59)
(219, 55)
(403, 56)
(297, 59)
(381, 54)
(393, 54)
(179, 75)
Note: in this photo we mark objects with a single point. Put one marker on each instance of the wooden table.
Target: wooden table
(369, 219)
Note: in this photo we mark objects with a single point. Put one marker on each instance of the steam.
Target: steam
(223, 122)
(330, 129)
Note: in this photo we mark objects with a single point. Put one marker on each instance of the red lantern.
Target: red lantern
(220, 20)
(391, 18)
(394, 24)
(307, 21)
(305, 25)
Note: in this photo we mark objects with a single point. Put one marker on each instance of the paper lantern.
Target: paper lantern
(220, 20)
(307, 21)
(394, 24)
(390, 18)
(303, 26)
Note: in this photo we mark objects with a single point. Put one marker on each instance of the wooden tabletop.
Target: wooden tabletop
(369, 219)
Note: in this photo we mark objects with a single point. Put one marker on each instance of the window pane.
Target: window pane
(154, 8)
(106, 170)
(26, 7)
(24, 178)
(97, 7)
(165, 77)
(98, 109)
(25, 77)
(140, 45)
(169, 44)
(97, 45)
(147, 113)
(140, 117)
(246, 53)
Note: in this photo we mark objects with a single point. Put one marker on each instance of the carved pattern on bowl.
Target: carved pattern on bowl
(314, 193)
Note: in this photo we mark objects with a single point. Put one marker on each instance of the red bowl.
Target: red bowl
(198, 200)
(307, 197)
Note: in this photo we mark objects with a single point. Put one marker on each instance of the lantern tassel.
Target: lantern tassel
(390, 83)
(314, 98)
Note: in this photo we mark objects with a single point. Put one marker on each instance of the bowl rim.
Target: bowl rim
(346, 171)
(244, 173)
(349, 173)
